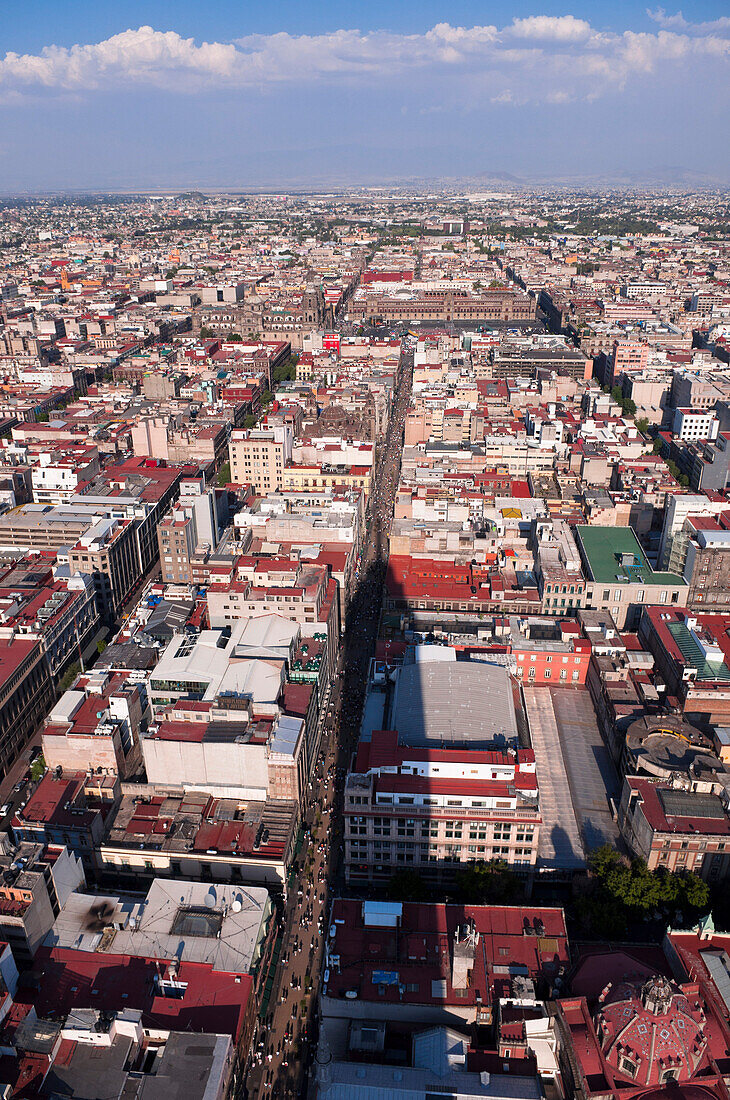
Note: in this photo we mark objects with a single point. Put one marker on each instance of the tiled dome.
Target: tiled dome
(651, 1033)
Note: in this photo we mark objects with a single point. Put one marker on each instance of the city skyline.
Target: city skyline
(238, 98)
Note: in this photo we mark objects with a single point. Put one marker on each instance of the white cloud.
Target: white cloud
(142, 55)
(677, 22)
(540, 58)
(551, 28)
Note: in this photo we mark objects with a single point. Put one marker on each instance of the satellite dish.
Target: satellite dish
(210, 898)
(236, 906)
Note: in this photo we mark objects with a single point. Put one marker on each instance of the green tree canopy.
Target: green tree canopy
(622, 891)
(488, 881)
(407, 885)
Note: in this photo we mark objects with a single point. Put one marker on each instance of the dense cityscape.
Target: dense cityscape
(365, 644)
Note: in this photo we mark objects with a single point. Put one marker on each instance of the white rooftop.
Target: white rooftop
(221, 925)
(271, 633)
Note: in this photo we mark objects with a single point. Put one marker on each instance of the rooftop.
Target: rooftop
(221, 926)
(614, 554)
(454, 703)
(393, 952)
(193, 821)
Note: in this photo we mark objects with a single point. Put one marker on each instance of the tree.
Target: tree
(658, 444)
(629, 406)
(69, 677)
(407, 885)
(617, 394)
(488, 881)
(224, 474)
(676, 472)
(604, 860)
(37, 768)
(100, 646)
(286, 372)
(621, 891)
(642, 424)
(206, 333)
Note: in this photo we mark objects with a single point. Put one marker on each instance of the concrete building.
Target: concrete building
(107, 551)
(676, 829)
(174, 921)
(102, 1051)
(707, 565)
(416, 966)
(192, 530)
(619, 578)
(222, 293)
(35, 882)
(96, 725)
(690, 425)
(673, 544)
(433, 809)
(26, 694)
(692, 656)
(258, 456)
(69, 810)
(178, 833)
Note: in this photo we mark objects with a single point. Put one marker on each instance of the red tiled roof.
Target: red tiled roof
(214, 1001)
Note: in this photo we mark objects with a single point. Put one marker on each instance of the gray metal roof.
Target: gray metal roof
(691, 804)
(361, 1081)
(452, 704)
(719, 968)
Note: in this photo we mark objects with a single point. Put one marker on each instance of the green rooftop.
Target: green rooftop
(614, 554)
(694, 657)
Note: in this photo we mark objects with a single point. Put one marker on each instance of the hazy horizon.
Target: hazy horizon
(153, 96)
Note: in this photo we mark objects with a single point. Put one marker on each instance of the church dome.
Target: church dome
(651, 1034)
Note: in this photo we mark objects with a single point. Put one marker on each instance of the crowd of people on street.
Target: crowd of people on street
(285, 1037)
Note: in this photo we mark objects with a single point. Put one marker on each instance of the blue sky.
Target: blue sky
(224, 94)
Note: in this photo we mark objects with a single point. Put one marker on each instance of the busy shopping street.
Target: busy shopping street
(280, 1063)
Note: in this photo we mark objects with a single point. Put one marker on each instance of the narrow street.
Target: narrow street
(283, 1047)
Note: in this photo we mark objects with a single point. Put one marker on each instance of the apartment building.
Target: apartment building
(63, 614)
(96, 725)
(258, 456)
(35, 883)
(707, 565)
(676, 829)
(619, 578)
(107, 552)
(692, 424)
(26, 694)
(178, 537)
(674, 539)
(435, 808)
(68, 809)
